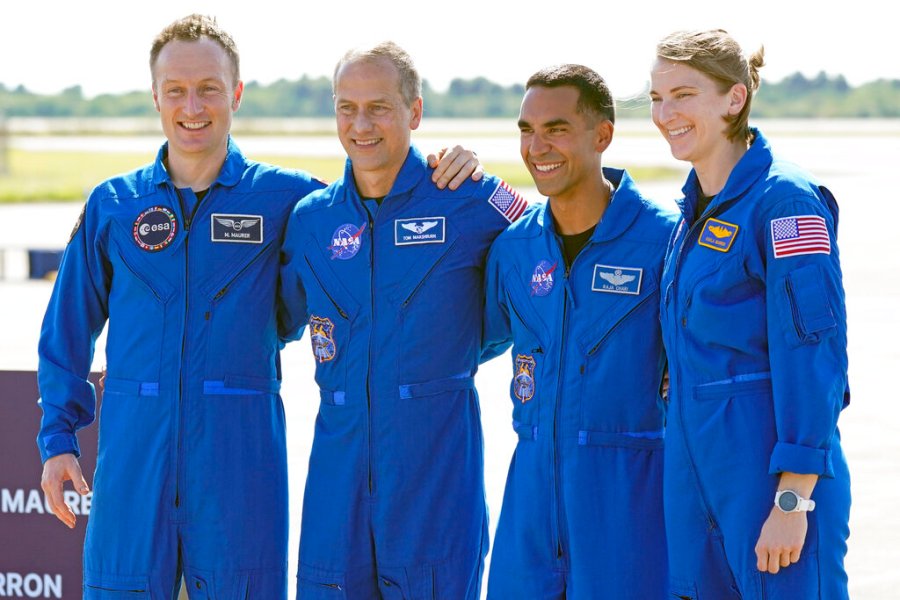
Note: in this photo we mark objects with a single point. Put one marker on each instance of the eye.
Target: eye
(174, 91)
(379, 110)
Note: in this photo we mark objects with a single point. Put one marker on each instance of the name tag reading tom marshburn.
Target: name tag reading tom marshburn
(241, 229)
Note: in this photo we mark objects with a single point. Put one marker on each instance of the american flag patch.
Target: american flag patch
(801, 234)
(508, 201)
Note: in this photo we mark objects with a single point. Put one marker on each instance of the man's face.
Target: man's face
(374, 122)
(195, 95)
(559, 145)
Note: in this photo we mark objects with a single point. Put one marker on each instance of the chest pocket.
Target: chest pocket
(332, 311)
(529, 353)
(622, 359)
(140, 296)
(440, 278)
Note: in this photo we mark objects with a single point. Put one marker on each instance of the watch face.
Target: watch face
(787, 501)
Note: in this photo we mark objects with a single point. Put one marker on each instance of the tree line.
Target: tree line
(795, 96)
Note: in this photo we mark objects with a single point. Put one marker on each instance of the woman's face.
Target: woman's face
(688, 109)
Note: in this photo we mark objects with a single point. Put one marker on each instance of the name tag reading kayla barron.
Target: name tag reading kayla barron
(242, 229)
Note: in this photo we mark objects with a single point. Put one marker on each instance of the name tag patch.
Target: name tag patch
(718, 235)
(241, 229)
(617, 280)
(422, 230)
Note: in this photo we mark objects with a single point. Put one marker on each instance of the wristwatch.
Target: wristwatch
(789, 501)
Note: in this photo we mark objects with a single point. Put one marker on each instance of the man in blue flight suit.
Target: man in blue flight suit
(181, 256)
(387, 272)
(575, 285)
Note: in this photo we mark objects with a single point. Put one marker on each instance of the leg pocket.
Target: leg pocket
(115, 587)
(318, 584)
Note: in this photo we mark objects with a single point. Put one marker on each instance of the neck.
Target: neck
(375, 184)
(582, 209)
(196, 173)
(714, 172)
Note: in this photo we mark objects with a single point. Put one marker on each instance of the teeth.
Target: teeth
(191, 125)
(547, 168)
(366, 142)
(674, 132)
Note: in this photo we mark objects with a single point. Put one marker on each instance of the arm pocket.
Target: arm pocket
(811, 314)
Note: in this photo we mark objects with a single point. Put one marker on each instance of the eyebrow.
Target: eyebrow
(551, 123)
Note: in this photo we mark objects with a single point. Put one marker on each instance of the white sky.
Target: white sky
(102, 45)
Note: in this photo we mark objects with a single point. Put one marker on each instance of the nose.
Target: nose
(662, 111)
(193, 105)
(361, 121)
(537, 145)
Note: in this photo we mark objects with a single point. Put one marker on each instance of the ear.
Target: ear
(603, 135)
(416, 109)
(737, 98)
(155, 96)
(238, 94)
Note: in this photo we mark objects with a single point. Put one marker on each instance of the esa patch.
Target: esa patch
(617, 280)
(321, 334)
(523, 381)
(508, 202)
(801, 234)
(542, 278)
(424, 230)
(155, 228)
(718, 235)
(345, 241)
(240, 229)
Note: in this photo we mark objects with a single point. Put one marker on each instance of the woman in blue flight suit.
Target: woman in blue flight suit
(757, 490)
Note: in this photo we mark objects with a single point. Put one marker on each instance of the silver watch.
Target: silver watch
(789, 501)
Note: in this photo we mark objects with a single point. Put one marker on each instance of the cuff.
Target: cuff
(58, 443)
(793, 458)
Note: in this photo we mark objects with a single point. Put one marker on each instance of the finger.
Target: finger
(479, 173)
(443, 168)
(785, 559)
(54, 496)
(465, 171)
(795, 555)
(774, 560)
(762, 559)
(432, 161)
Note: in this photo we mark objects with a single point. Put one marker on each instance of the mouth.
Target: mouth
(673, 133)
(366, 143)
(194, 125)
(546, 167)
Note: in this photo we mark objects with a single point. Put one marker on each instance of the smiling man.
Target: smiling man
(181, 257)
(386, 270)
(574, 286)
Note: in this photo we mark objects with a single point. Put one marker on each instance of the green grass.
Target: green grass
(69, 176)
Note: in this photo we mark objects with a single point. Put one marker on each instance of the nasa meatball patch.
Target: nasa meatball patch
(240, 229)
(155, 228)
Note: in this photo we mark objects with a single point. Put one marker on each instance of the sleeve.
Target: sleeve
(75, 316)
(292, 307)
(807, 332)
(497, 334)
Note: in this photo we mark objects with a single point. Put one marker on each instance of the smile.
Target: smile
(194, 125)
(547, 167)
(679, 131)
(366, 142)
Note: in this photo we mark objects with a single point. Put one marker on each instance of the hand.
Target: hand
(780, 540)
(57, 470)
(454, 166)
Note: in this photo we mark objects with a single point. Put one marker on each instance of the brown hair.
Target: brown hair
(190, 29)
(717, 55)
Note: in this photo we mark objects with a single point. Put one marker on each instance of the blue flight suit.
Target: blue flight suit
(755, 329)
(191, 472)
(582, 512)
(394, 505)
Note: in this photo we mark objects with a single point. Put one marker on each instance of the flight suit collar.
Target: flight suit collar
(623, 209)
(229, 175)
(754, 164)
(411, 173)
